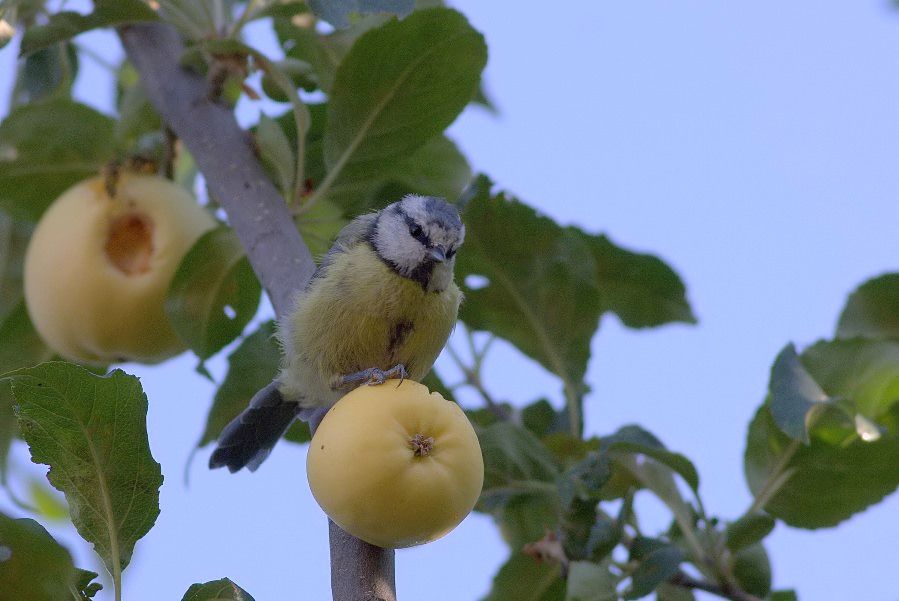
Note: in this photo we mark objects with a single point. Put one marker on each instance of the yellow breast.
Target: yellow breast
(362, 314)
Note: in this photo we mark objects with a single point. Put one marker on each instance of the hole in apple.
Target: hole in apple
(129, 244)
(230, 313)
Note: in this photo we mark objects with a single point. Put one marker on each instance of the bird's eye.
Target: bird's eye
(451, 253)
(416, 231)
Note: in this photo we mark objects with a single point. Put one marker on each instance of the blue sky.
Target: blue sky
(751, 145)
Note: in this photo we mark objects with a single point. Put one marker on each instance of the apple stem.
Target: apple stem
(421, 445)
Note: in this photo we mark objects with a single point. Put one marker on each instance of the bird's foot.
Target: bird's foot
(373, 376)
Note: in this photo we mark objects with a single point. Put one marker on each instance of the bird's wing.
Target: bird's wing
(352, 234)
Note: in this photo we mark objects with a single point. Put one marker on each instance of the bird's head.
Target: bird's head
(418, 237)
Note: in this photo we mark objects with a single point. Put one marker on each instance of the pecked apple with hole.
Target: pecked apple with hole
(98, 267)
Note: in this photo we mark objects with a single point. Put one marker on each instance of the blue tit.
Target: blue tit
(381, 304)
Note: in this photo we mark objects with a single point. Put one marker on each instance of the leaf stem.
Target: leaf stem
(473, 379)
(727, 592)
(242, 19)
(300, 117)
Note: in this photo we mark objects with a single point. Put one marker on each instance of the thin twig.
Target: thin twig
(734, 594)
(473, 379)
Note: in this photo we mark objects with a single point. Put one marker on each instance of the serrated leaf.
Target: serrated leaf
(276, 153)
(641, 289)
(45, 148)
(539, 285)
(213, 294)
(91, 430)
(748, 530)
(515, 463)
(67, 24)
(20, 346)
(872, 310)
(217, 590)
(588, 581)
(829, 482)
(33, 565)
(655, 567)
(338, 12)
(634, 439)
(400, 85)
(522, 578)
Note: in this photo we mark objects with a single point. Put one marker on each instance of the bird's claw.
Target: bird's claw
(374, 376)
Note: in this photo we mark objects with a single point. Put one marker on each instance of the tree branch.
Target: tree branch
(260, 217)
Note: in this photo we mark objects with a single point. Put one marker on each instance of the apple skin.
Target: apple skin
(365, 475)
(97, 268)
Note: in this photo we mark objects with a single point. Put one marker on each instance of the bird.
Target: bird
(381, 305)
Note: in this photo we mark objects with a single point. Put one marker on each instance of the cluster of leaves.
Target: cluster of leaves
(822, 447)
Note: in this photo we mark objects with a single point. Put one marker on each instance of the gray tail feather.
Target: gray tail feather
(249, 438)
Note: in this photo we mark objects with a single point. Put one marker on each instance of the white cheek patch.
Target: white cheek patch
(394, 243)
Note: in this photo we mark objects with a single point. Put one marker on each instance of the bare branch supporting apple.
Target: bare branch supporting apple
(259, 215)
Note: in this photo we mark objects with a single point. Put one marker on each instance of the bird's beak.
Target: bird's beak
(437, 253)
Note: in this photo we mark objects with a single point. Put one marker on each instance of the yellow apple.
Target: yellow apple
(395, 465)
(97, 268)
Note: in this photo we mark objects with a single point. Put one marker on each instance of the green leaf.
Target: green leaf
(217, 590)
(795, 398)
(522, 578)
(337, 12)
(872, 311)
(641, 289)
(657, 565)
(252, 366)
(829, 482)
(91, 430)
(634, 439)
(865, 371)
(584, 479)
(588, 581)
(542, 419)
(277, 153)
(540, 294)
(526, 518)
(68, 24)
(515, 463)
(20, 346)
(783, 596)
(437, 169)
(85, 585)
(213, 294)
(320, 225)
(752, 570)
(47, 72)
(670, 592)
(32, 564)
(400, 85)
(136, 115)
(14, 236)
(45, 148)
(543, 287)
(748, 530)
